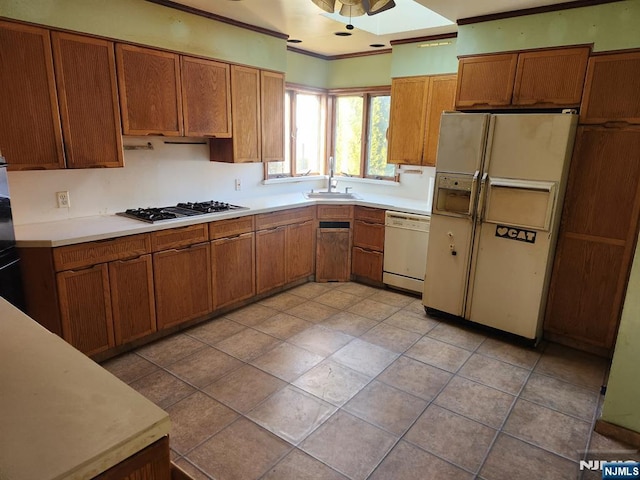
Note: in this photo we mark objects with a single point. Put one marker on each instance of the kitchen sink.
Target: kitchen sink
(337, 195)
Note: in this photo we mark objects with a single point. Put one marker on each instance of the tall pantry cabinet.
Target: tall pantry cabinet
(601, 210)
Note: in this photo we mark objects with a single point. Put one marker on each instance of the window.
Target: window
(361, 120)
(305, 120)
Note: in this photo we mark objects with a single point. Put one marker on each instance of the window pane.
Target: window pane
(348, 144)
(309, 134)
(377, 165)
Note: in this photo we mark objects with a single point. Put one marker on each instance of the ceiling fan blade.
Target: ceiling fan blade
(356, 10)
(328, 6)
(378, 6)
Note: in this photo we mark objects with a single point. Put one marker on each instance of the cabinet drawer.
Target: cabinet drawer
(368, 214)
(335, 212)
(179, 237)
(368, 235)
(367, 264)
(231, 227)
(284, 217)
(91, 253)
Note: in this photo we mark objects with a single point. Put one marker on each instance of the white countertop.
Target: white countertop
(99, 227)
(62, 416)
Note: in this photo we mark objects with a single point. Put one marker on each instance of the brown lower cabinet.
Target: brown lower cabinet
(271, 258)
(299, 248)
(368, 244)
(233, 263)
(333, 255)
(151, 463)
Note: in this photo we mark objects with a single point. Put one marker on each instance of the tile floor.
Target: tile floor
(341, 380)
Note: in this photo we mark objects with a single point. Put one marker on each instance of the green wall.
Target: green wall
(307, 70)
(146, 23)
(413, 59)
(611, 26)
(367, 71)
(622, 401)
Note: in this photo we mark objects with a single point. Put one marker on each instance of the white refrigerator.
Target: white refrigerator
(499, 185)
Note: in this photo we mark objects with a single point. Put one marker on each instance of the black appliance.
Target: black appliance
(10, 277)
(181, 210)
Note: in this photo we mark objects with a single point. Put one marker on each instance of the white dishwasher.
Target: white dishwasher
(406, 237)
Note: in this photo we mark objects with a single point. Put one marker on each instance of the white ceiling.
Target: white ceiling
(303, 20)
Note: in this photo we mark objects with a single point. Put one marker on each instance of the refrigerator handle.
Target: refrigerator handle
(481, 199)
(474, 188)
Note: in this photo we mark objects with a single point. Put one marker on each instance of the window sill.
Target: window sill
(372, 181)
(308, 178)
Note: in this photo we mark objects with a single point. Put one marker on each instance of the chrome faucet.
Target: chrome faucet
(331, 166)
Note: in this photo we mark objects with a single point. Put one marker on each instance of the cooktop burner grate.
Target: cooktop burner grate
(181, 210)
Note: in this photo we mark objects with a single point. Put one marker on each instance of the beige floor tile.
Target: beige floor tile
(457, 335)
(129, 367)
(394, 298)
(215, 331)
(439, 354)
(332, 382)
(337, 299)
(349, 323)
(373, 309)
(475, 401)
(170, 349)
(204, 367)
(364, 357)
(252, 314)
(282, 301)
(562, 396)
(298, 465)
(348, 444)
(162, 388)
(573, 366)
(196, 418)
(514, 354)
(357, 289)
(191, 470)
(287, 361)
(321, 340)
(242, 451)
(450, 436)
(513, 459)
(292, 414)
(248, 344)
(415, 377)
(494, 373)
(386, 407)
(244, 388)
(548, 429)
(415, 306)
(282, 326)
(312, 311)
(412, 321)
(390, 337)
(312, 290)
(407, 462)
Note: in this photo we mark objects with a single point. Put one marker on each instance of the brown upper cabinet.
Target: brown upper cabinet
(30, 131)
(612, 89)
(272, 104)
(549, 78)
(417, 104)
(206, 98)
(150, 92)
(88, 96)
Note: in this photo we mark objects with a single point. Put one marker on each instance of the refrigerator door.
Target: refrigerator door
(462, 142)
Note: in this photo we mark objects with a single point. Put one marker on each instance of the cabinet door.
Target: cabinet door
(182, 280)
(367, 264)
(270, 259)
(149, 85)
(30, 131)
(132, 300)
(87, 90)
(485, 81)
(550, 78)
(85, 308)
(245, 108)
(407, 119)
(442, 95)
(597, 237)
(299, 250)
(612, 89)
(206, 98)
(333, 255)
(272, 108)
(233, 263)
(368, 235)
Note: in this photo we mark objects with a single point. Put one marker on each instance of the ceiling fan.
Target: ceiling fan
(355, 8)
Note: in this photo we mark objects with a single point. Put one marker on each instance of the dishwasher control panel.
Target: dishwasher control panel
(407, 220)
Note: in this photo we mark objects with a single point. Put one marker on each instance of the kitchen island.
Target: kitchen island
(62, 416)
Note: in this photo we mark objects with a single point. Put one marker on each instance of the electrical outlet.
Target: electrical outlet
(63, 199)
(238, 185)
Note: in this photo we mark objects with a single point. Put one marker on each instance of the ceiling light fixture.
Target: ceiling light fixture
(355, 8)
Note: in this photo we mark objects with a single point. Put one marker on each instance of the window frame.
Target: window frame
(367, 93)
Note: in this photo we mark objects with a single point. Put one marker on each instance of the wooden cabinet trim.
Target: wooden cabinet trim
(179, 237)
(102, 251)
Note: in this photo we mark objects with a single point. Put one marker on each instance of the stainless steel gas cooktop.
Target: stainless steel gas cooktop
(181, 210)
